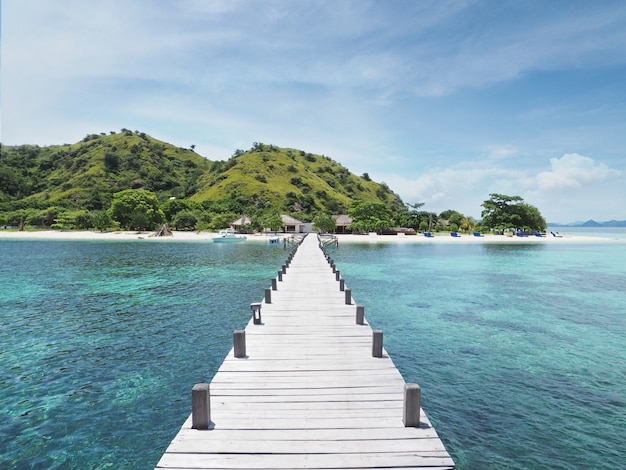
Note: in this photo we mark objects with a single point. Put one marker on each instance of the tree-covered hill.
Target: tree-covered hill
(83, 178)
(288, 180)
(85, 175)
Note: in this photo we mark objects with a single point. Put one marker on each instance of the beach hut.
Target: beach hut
(342, 221)
(241, 221)
(292, 225)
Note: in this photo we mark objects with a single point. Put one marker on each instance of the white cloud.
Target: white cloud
(462, 187)
(576, 187)
(347, 79)
(573, 171)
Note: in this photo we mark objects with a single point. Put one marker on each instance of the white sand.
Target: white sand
(94, 235)
(207, 236)
(464, 238)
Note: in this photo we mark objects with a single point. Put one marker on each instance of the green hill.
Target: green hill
(289, 180)
(86, 174)
(265, 179)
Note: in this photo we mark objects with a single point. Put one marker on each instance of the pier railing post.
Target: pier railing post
(337, 275)
(239, 340)
(411, 414)
(200, 406)
(280, 275)
(342, 285)
(268, 296)
(348, 293)
(360, 314)
(377, 343)
(256, 312)
(274, 284)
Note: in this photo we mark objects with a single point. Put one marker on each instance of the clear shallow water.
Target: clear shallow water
(102, 342)
(520, 350)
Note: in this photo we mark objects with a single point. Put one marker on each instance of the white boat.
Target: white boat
(273, 240)
(228, 235)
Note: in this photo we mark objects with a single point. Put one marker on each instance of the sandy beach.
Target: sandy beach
(343, 238)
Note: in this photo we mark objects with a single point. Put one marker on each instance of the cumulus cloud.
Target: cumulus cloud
(459, 187)
(561, 194)
(573, 171)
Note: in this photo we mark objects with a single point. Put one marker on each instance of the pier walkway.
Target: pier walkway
(307, 391)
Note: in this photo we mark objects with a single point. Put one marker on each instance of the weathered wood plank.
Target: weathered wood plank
(355, 434)
(430, 446)
(308, 394)
(291, 461)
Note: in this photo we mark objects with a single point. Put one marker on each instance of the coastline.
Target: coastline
(343, 238)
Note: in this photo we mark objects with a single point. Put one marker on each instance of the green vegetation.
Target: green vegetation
(370, 216)
(324, 223)
(130, 180)
(504, 212)
(136, 209)
(75, 186)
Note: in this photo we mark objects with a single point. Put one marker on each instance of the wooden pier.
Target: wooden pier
(307, 384)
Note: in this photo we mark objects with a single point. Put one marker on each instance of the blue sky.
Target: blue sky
(446, 101)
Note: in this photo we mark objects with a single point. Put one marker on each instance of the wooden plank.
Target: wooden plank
(308, 394)
(291, 461)
(431, 446)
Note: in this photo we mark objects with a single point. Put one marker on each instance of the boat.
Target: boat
(228, 235)
(273, 240)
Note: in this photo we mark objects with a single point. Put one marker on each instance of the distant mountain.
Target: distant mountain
(592, 223)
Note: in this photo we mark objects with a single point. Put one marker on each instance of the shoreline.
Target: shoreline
(343, 238)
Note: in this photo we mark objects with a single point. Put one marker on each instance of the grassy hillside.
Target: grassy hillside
(86, 174)
(265, 179)
(289, 180)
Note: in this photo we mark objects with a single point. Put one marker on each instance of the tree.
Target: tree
(185, 220)
(171, 207)
(274, 222)
(136, 209)
(369, 216)
(221, 220)
(411, 217)
(102, 220)
(468, 223)
(324, 222)
(111, 161)
(501, 212)
(9, 181)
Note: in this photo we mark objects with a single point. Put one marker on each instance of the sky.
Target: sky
(446, 101)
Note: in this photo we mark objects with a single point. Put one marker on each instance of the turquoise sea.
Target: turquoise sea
(520, 350)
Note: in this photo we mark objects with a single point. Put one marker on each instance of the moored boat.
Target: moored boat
(228, 235)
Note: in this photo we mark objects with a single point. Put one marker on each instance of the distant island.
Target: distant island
(592, 223)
